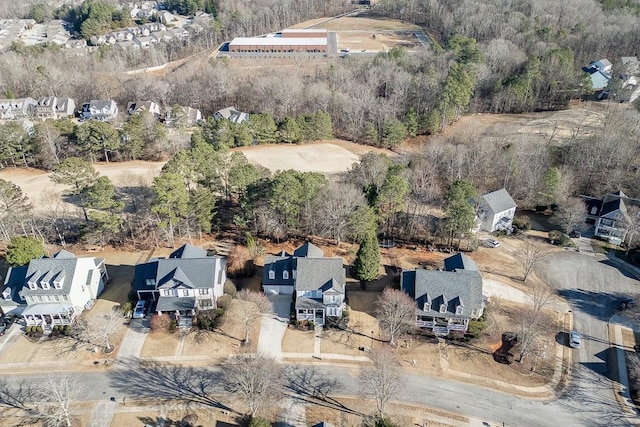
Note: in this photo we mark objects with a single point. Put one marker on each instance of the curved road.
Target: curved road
(591, 286)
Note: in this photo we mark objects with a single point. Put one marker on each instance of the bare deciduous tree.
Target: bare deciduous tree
(632, 224)
(533, 325)
(541, 293)
(382, 378)
(257, 305)
(99, 330)
(396, 313)
(530, 255)
(256, 381)
(58, 393)
(570, 213)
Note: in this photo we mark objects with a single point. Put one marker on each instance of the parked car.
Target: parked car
(138, 312)
(627, 303)
(575, 339)
(492, 243)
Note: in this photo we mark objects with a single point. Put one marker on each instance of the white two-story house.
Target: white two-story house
(611, 215)
(187, 281)
(496, 211)
(100, 110)
(446, 300)
(316, 282)
(53, 291)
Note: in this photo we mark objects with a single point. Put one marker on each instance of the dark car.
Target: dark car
(627, 303)
(575, 234)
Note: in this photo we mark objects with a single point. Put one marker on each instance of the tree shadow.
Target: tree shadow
(165, 381)
(600, 305)
(619, 265)
(306, 383)
(590, 404)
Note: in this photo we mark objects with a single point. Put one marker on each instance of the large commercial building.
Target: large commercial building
(286, 43)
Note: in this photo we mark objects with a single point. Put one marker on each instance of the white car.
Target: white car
(138, 312)
(492, 243)
(575, 339)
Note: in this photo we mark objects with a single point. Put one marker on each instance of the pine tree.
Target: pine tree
(367, 263)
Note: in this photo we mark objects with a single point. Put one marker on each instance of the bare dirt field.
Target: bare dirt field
(361, 23)
(325, 157)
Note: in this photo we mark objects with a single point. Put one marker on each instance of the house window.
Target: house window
(272, 275)
(474, 312)
(65, 297)
(57, 285)
(427, 306)
(459, 310)
(443, 308)
(185, 292)
(32, 286)
(203, 291)
(285, 275)
(56, 297)
(45, 285)
(40, 299)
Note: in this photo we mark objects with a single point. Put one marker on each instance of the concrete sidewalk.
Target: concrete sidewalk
(621, 386)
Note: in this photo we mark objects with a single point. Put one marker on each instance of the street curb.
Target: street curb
(621, 390)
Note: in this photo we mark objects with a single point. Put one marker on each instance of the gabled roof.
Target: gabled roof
(278, 264)
(232, 114)
(63, 255)
(313, 273)
(50, 269)
(308, 250)
(333, 284)
(499, 201)
(460, 261)
(172, 272)
(452, 288)
(14, 281)
(188, 251)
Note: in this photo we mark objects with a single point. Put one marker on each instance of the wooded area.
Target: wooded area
(486, 57)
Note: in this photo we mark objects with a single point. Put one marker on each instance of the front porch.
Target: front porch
(441, 326)
(181, 309)
(48, 315)
(311, 310)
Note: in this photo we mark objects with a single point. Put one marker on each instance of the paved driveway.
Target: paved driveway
(281, 305)
(594, 287)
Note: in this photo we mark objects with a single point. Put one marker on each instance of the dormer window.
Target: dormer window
(459, 310)
(57, 284)
(45, 285)
(285, 275)
(443, 308)
(33, 286)
(272, 275)
(427, 306)
(6, 294)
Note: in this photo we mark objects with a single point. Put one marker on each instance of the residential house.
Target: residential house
(232, 114)
(76, 44)
(496, 211)
(15, 109)
(144, 42)
(100, 110)
(140, 107)
(187, 281)
(624, 85)
(53, 291)
(194, 116)
(162, 36)
(446, 300)
(316, 282)
(179, 33)
(610, 215)
(600, 73)
(51, 107)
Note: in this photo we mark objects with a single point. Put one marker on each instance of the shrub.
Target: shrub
(28, 329)
(39, 329)
(230, 288)
(258, 422)
(126, 308)
(521, 224)
(173, 325)
(224, 301)
(240, 262)
(560, 239)
(476, 327)
(380, 422)
(189, 420)
(160, 322)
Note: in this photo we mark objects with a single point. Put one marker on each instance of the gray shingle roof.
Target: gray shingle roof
(50, 270)
(188, 251)
(313, 273)
(308, 250)
(499, 200)
(15, 282)
(461, 287)
(194, 272)
(308, 303)
(460, 261)
(175, 303)
(278, 264)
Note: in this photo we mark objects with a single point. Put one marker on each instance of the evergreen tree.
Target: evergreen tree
(289, 131)
(394, 132)
(170, 202)
(411, 122)
(367, 264)
(22, 249)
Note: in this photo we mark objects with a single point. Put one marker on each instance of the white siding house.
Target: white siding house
(496, 211)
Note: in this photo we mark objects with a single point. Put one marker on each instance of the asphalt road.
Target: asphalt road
(592, 287)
